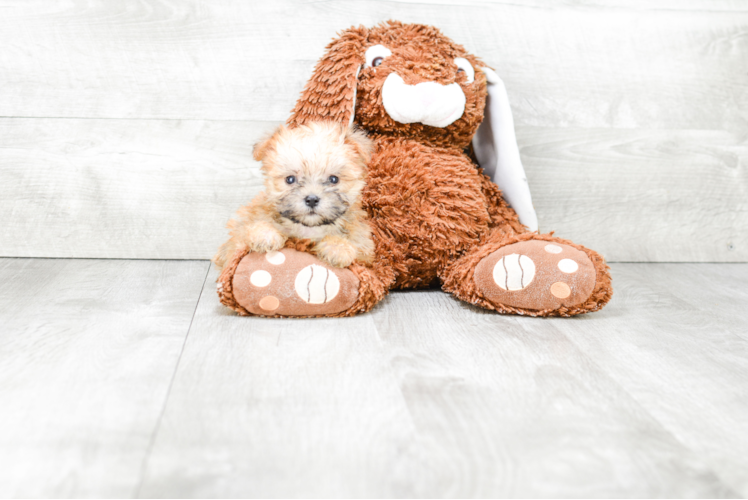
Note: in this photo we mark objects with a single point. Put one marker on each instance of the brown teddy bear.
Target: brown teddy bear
(442, 129)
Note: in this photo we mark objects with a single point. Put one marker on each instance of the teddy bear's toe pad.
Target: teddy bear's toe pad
(292, 283)
(536, 275)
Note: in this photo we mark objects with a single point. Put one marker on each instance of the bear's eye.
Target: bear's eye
(464, 66)
(290, 179)
(334, 179)
(375, 55)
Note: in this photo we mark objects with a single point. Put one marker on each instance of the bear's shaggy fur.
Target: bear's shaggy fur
(434, 214)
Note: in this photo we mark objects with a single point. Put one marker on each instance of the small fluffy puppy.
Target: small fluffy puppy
(314, 175)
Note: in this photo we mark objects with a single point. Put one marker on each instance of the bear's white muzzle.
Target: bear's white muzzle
(429, 103)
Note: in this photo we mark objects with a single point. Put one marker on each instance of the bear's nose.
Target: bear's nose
(311, 200)
(429, 95)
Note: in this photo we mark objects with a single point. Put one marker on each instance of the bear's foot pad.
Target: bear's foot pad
(292, 283)
(536, 275)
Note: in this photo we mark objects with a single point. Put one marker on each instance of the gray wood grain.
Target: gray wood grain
(631, 117)
(87, 353)
(165, 189)
(676, 339)
(279, 408)
(429, 397)
(511, 407)
(642, 195)
(123, 188)
(660, 64)
(424, 396)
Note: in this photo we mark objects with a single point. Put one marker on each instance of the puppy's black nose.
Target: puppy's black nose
(311, 201)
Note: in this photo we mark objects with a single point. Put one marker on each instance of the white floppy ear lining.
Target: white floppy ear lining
(353, 106)
(495, 147)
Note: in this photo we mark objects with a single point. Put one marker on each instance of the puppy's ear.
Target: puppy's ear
(330, 94)
(260, 150)
(360, 143)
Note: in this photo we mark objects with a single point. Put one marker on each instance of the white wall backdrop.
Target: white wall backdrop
(126, 126)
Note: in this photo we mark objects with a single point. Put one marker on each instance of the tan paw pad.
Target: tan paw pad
(560, 290)
(536, 275)
(269, 303)
(292, 283)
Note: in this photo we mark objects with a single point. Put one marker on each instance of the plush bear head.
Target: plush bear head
(406, 80)
(411, 81)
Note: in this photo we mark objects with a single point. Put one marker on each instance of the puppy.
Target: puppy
(314, 175)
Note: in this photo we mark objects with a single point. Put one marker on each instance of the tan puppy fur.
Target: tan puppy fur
(314, 175)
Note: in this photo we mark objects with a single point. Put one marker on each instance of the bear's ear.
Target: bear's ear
(330, 94)
(495, 147)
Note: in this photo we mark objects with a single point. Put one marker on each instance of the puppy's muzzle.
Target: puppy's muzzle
(429, 103)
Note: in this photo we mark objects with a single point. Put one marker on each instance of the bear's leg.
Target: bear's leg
(530, 274)
(294, 283)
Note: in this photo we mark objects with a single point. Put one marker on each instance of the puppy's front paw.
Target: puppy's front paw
(337, 251)
(265, 238)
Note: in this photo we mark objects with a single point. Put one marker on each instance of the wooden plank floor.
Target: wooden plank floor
(127, 378)
(87, 353)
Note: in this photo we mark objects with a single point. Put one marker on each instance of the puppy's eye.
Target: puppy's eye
(334, 179)
(375, 55)
(290, 179)
(464, 66)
